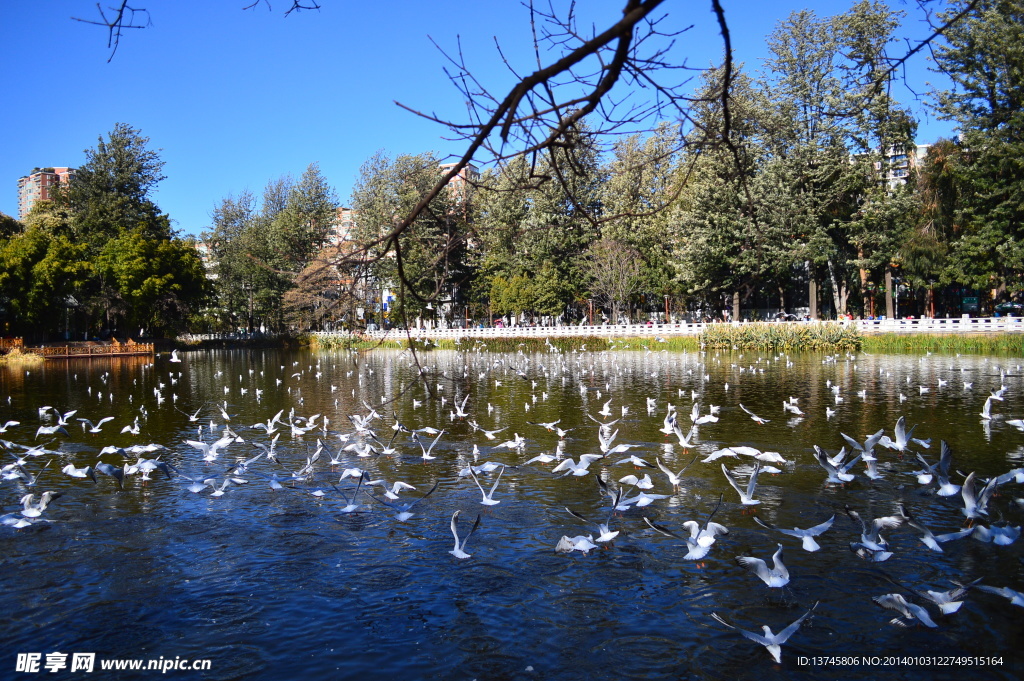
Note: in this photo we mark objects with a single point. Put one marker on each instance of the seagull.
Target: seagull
(577, 543)
(51, 430)
(701, 538)
(905, 608)
(903, 437)
(405, 510)
(868, 447)
(806, 536)
(606, 534)
(870, 538)
(948, 601)
(699, 420)
(94, 428)
(746, 496)
(86, 472)
(791, 409)
(684, 440)
(488, 499)
(836, 472)
(112, 471)
(775, 577)
(940, 471)
(986, 411)
(426, 451)
(29, 509)
(9, 424)
(460, 547)
(174, 356)
(754, 416)
(930, 540)
(976, 505)
(575, 468)
(1015, 597)
(773, 642)
(997, 534)
(674, 478)
(669, 425)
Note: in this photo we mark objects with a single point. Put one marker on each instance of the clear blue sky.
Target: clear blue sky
(234, 98)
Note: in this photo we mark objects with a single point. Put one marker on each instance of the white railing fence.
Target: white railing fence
(866, 326)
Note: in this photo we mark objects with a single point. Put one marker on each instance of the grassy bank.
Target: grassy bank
(981, 344)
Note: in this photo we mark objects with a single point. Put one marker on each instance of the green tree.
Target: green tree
(9, 226)
(152, 284)
(110, 192)
(39, 274)
(984, 57)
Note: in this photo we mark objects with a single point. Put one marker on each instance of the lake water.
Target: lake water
(282, 584)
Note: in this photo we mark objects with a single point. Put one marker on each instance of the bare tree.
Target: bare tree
(615, 269)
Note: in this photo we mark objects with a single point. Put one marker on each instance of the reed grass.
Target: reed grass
(982, 344)
(17, 358)
(775, 336)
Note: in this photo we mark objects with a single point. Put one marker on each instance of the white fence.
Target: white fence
(866, 326)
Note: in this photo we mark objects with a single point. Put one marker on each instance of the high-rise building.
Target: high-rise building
(342, 231)
(469, 175)
(899, 162)
(39, 186)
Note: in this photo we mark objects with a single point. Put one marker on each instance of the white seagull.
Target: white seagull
(460, 546)
(773, 642)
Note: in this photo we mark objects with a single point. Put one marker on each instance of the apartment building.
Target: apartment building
(39, 185)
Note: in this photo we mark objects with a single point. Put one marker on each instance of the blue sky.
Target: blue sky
(234, 98)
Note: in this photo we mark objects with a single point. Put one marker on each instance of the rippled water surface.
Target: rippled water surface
(282, 584)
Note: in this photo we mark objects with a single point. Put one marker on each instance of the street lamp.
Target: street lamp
(591, 301)
(666, 308)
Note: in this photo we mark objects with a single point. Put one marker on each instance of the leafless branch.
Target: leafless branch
(123, 18)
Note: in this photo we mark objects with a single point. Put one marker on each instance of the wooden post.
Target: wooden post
(888, 294)
(812, 297)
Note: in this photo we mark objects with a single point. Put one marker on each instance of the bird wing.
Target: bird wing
(732, 481)
(752, 483)
(784, 635)
(755, 565)
(820, 528)
(658, 528)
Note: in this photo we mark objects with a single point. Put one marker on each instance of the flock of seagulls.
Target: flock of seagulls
(342, 466)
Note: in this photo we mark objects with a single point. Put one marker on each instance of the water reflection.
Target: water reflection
(267, 582)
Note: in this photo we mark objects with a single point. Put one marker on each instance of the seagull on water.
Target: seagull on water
(908, 610)
(460, 546)
(488, 499)
(405, 510)
(773, 642)
(755, 417)
(746, 495)
(775, 577)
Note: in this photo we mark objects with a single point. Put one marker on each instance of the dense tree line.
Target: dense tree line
(100, 258)
(773, 191)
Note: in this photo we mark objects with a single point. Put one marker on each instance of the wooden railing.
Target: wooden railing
(74, 351)
(11, 343)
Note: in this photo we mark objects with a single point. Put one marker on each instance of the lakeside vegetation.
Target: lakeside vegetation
(17, 358)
